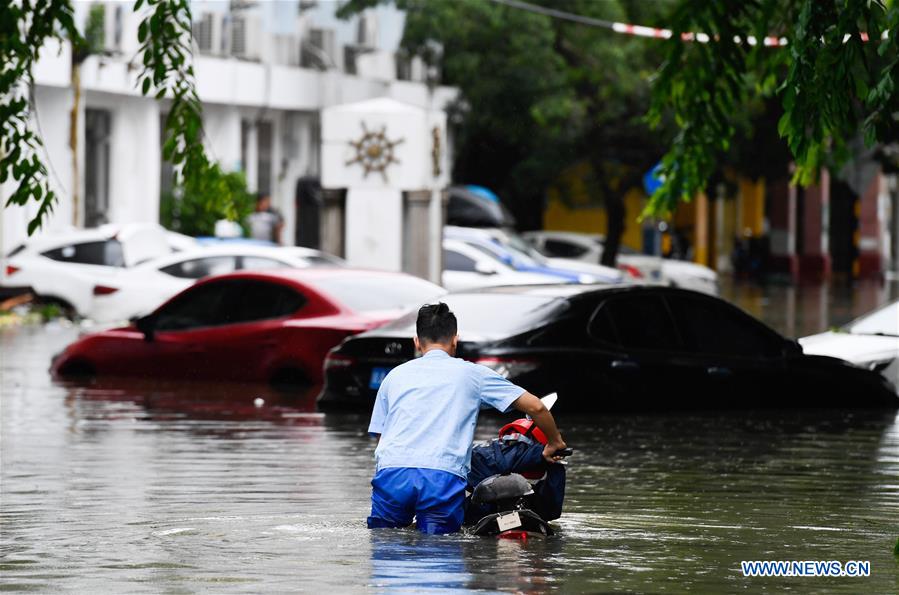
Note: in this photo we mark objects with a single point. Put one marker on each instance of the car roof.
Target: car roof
(483, 232)
(572, 235)
(303, 276)
(578, 290)
(557, 290)
(61, 237)
(226, 249)
(54, 239)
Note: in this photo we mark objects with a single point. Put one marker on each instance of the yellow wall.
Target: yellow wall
(697, 219)
(752, 202)
(580, 212)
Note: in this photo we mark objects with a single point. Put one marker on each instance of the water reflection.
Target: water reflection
(401, 560)
(407, 560)
(161, 399)
(800, 310)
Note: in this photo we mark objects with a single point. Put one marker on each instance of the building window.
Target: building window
(264, 156)
(97, 132)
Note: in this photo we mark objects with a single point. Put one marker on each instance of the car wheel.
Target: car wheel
(290, 380)
(77, 369)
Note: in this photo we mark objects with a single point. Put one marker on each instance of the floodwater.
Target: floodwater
(800, 310)
(146, 487)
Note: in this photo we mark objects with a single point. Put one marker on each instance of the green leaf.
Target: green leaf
(145, 88)
(783, 125)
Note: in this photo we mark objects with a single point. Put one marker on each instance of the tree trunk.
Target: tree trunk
(614, 202)
(73, 135)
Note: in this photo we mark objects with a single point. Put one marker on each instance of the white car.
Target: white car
(515, 251)
(143, 288)
(466, 267)
(67, 268)
(584, 247)
(871, 341)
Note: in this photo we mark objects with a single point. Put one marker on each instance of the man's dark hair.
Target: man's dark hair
(435, 324)
(262, 196)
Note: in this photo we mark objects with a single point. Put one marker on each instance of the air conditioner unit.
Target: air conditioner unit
(319, 49)
(114, 23)
(208, 33)
(367, 30)
(403, 66)
(246, 37)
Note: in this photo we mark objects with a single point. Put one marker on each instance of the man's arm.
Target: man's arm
(531, 405)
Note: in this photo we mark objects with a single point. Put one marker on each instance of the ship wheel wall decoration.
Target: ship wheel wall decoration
(374, 152)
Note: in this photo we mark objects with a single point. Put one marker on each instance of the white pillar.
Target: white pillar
(374, 228)
(134, 162)
(369, 214)
(435, 237)
(221, 125)
(250, 168)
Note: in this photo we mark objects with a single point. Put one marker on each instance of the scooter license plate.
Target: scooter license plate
(508, 521)
(377, 377)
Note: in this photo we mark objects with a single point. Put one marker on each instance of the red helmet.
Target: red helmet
(524, 427)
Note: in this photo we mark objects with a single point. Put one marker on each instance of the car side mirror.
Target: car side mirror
(485, 268)
(146, 325)
(792, 347)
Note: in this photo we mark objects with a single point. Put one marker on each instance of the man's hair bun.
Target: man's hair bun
(436, 323)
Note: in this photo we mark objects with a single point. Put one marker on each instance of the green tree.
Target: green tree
(539, 94)
(835, 79)
(165, 53)
(192, 213)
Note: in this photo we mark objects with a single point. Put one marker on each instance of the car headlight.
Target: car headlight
(585, 278)
(508, 367)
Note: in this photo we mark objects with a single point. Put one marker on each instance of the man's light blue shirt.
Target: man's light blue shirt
(427, 408)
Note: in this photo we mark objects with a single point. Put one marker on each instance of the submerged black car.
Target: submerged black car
(618, 348)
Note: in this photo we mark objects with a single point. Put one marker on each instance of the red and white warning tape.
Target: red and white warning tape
(641, 31)
(654, 32)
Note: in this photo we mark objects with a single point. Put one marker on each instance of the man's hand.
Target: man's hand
(550, 449)
(531, 405)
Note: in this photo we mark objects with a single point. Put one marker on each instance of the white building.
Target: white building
(264, 71)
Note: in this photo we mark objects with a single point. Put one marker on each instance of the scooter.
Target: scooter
(513, 520)
(508, 494)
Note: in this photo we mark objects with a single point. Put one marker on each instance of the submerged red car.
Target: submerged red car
(275, 326)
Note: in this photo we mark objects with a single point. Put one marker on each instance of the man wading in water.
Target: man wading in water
(425, 415)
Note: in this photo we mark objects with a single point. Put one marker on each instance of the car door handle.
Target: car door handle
(625, 365)
(718, 371)
(269, 344)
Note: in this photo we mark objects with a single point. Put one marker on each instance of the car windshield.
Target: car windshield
(368, 293)
(496, 250)
(322, 261)
(491, 315)
(884, 321)
(622, 249)
(524, 248)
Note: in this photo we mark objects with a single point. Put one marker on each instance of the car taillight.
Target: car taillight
(631, 270)
(508, 367)
(11, 270)
(336, 361)
(104, 289)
